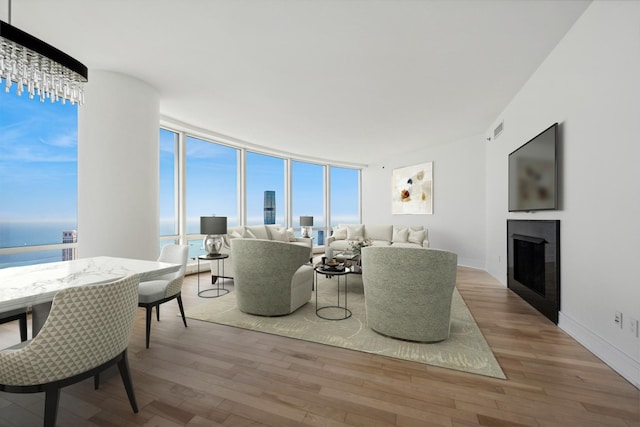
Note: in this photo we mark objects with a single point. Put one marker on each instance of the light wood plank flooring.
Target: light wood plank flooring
(213, 375)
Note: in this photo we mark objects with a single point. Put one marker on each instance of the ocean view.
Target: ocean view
(17, 234)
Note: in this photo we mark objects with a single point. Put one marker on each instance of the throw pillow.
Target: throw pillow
(280, 235)
(248, 234)
(339, 233)
(235, 235)
(400, 235)
(355, 232)
(416, 236)
(291, 234)
(258, 231)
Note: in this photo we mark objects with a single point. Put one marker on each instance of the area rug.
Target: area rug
(466, 349)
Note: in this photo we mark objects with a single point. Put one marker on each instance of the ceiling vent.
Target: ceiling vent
(498, 130)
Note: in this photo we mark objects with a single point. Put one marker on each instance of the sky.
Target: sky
(38, 159)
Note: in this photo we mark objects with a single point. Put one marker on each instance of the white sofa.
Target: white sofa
(399, 236)
(272, 232)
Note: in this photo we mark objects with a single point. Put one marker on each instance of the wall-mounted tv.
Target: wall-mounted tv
(533, 173)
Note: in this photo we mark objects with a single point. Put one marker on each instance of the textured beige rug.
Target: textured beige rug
(465, 350)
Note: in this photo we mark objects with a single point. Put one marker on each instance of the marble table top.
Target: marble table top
(35, 284)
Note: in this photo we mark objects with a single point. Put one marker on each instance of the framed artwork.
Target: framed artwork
(412, 190)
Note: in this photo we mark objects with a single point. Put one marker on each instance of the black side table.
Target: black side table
(219, 290)
(338, 274)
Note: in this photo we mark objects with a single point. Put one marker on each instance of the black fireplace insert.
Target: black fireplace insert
(533, 263)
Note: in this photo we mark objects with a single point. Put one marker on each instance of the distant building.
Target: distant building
(69, 236)
(269, 207)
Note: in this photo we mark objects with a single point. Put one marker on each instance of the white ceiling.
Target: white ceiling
(353, 79)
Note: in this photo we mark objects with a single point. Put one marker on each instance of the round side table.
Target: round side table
(342, 308)
(218, 290)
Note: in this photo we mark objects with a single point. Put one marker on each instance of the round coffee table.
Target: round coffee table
(342, 308)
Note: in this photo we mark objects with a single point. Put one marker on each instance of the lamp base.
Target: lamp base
(212, 244)
(306, 231)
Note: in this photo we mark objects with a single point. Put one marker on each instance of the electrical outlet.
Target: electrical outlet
(618, 319)
(633, 326)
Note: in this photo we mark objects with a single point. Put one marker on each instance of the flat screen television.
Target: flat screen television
(533, 173)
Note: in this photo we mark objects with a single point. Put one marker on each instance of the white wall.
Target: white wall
(458, 221)
(118, 168)
(590, 84)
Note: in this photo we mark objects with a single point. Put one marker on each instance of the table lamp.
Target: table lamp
(306, 224)
(213, 227)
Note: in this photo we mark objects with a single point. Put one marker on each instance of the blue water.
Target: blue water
(17, 234)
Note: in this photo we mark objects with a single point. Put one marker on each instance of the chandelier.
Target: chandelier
(39, 68)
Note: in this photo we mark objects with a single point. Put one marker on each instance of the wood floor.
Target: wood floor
(212, 375)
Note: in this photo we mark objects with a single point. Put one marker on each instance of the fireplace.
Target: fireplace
(533, 263)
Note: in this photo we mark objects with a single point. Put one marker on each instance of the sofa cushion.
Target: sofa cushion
(340, 245)
(400, 234)
(291, 234)
(339, 233)
(280, 235)
(417, 236)
(378, 232)
(380, 243)
(227, 237)
(259, 231)
(270, 228)
(355, 232)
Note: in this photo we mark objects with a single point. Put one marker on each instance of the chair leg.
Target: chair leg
(123, 366)
(158, 312)
(184, 319)
(52, 399)
(148, 308)
(96, 381)
(23, 327)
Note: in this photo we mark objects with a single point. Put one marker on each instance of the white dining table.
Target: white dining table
(36, 285)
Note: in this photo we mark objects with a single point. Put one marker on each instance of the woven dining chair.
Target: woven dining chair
(87, 331)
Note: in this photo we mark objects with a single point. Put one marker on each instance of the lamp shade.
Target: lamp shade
(213, 225)
(306, 221)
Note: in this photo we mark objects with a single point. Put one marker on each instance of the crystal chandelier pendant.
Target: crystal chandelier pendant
(39, 68)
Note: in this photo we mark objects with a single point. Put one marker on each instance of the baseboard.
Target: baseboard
(471, 263)
(620, 362)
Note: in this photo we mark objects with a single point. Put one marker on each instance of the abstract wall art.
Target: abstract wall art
(412, 190)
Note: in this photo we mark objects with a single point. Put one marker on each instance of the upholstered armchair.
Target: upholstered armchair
(271, 278)
(87, 331)
(152, 293)
(408, 291)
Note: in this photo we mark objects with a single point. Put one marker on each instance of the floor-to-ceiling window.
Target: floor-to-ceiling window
(38, 180)
(344, 193)
(211, 186)
(264, 173)
(307, 196)
(169, 190)
(249, 188)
